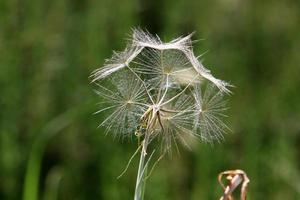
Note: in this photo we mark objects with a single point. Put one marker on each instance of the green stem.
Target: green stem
(138, 195)
(31, 182)
(32, 174)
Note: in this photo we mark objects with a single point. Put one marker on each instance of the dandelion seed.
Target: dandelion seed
(145, 39)
(209, 111)
(158, 65)
(118, 61)
(125, 99)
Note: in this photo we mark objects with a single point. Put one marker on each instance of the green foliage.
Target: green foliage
(48, 49)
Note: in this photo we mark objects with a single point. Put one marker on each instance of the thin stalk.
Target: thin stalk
(31, 182)
(177, 95)
(146, 89)
(162, 98)
(138, 195)
(50, 130)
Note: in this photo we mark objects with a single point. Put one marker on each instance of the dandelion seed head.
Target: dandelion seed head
(156, 89)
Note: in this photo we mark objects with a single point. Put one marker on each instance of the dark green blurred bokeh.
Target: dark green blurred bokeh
(49, 48)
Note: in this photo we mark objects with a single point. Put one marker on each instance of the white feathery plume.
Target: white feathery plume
(143, 39)
(118, 61)
(205, 73)
(124, 99)
(208, 114)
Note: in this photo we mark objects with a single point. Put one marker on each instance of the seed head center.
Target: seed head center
(167, 70)
(129, 101)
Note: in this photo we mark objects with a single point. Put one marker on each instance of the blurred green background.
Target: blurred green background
(50, 145)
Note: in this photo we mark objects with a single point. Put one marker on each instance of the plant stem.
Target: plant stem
(31, 182)
(138, 195)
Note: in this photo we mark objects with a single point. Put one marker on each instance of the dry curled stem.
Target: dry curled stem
(235, 178)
